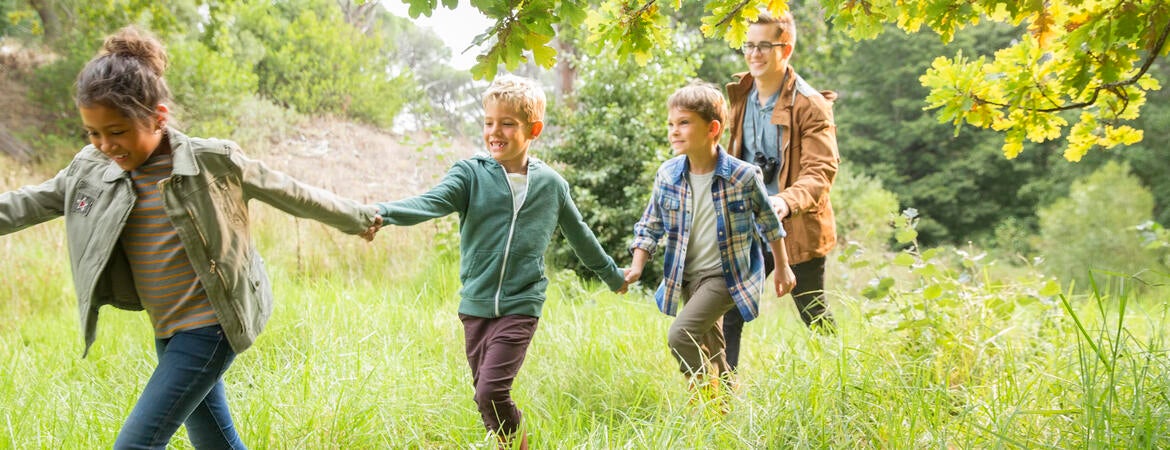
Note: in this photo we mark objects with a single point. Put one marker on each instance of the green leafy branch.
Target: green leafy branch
(1088, 55)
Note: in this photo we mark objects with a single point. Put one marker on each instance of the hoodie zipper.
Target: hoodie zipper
(511, 232)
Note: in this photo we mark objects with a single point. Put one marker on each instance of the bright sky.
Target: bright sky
(456, 27)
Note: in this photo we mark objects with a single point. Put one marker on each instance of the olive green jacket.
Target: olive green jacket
(207, 200)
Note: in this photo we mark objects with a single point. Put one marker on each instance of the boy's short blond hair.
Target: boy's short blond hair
(519, 94)
(702, 98)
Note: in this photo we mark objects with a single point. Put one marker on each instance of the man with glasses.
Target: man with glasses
(785, 126)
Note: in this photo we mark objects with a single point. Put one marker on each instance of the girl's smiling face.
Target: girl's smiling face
(128, 142)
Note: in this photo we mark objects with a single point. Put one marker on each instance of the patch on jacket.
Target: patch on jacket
(82, 203)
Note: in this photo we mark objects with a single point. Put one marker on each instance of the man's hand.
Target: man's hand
(368, 235)
(779, 206)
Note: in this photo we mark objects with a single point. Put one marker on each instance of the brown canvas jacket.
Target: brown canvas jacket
(809, 153)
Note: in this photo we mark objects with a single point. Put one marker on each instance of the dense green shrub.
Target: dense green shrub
(51, 88)
(864, 208)
(209, 86)
(612, 140)
(1095, 227)
(316, 63)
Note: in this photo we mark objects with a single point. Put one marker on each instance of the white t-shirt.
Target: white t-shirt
(519, 183)
(703, 242)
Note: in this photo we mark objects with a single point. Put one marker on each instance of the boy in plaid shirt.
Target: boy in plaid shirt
(711, 208)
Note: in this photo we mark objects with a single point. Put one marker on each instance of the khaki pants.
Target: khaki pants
(696, 336)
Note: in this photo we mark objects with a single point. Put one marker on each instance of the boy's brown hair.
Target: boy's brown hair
(701, 98)
(518, 94)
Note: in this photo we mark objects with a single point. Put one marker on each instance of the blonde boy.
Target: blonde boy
(509, 204)
(710, 207)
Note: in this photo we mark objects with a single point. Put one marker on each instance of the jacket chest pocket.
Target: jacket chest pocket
(228, 196)
(740, 216)
(222, 195)
(671, 206)
(83, 200)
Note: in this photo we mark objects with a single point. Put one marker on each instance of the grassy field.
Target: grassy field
(364, 350)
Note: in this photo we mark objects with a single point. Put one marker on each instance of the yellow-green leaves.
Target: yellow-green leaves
(635, 28)
(1087, 56)
(729, 20)
(1071, 55)
(523, 29)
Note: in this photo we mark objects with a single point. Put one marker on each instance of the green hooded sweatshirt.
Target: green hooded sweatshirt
(501, 249)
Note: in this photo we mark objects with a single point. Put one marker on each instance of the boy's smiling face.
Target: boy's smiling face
(689, 133)
(507, 135)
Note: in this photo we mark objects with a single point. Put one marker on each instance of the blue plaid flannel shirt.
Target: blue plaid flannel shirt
(742, 212)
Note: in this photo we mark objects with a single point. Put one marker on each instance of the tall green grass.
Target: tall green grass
(364, 350)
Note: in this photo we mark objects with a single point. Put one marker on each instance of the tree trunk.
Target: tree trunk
(566, 72)
(50, 19)
(11, 146)
(359, 15)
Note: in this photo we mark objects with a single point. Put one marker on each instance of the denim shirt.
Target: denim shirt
(741, 209)
(761, 135)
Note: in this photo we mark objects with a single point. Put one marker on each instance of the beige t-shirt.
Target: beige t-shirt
(703, 242)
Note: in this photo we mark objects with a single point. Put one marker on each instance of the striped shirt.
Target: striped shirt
(167, 285)
(742, 212)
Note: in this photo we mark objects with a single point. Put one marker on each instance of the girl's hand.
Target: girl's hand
(368, 235)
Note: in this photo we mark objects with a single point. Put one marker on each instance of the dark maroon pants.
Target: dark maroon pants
(495, 352)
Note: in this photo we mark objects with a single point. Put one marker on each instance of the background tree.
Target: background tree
(1088, 56)
(1096, 227)
(611, 142)
(449, 97)
(301, 54)
(961, 185)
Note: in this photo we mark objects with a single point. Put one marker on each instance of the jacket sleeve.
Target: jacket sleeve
(585, 244)
(299, 199)
(766, 220)
(31, 205)
(650, 229)
(818, 157)
(449, 196)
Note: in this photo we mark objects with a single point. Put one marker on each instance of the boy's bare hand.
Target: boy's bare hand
(631, 277)
(368, 235)
(784, 279)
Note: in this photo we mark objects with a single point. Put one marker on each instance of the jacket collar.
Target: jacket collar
(722, 166)
(181, 151)
(486, 158)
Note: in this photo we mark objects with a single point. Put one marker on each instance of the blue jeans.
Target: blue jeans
(186, 388)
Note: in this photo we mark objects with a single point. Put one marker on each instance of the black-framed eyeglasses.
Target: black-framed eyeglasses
(749, 47)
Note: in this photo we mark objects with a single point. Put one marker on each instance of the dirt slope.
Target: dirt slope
(359, 161)
(363, 162)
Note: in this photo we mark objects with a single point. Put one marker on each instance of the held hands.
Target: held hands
(784, 279)
(779, 206)
(632, 276)
(368, 235)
